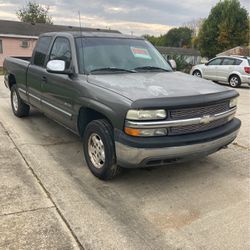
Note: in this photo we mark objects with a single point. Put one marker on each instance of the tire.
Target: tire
(197, 73)
(19, 108)
(99, 149)
(234, 81)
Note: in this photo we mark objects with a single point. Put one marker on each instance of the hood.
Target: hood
(137, 86)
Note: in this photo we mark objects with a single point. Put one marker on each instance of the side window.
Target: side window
(215, 62)
(41, 51)
(61, 51)
(1, 46)
(228, 61)
(237, 62)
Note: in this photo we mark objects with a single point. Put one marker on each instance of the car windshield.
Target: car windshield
(117, 55)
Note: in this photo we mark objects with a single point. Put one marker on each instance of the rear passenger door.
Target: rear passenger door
(36, 71)
(228, 66)
(58, 90)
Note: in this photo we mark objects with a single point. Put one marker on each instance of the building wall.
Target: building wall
(240, 51)
(13, 47)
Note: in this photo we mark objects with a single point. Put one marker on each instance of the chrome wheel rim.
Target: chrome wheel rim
(234, 81)
(15, 101)
(197, 74)
(96, 150)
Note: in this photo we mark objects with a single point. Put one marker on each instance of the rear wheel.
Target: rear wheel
(99, 149)
(19, 108)
(234, 81)
(197, 73)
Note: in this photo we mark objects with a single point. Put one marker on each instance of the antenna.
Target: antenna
(80, 23)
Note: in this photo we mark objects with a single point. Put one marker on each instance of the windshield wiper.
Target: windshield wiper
(151, 68)
(113, 69)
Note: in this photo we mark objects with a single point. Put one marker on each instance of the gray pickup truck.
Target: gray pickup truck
(123, 99)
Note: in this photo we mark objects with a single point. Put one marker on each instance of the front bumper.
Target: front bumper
(145, 152)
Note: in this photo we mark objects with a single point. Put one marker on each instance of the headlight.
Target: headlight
(134, 114)
(233, 102)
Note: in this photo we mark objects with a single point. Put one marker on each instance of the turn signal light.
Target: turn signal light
(132, 131)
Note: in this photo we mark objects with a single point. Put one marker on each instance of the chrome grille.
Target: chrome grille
(187, 113)
(196, 128)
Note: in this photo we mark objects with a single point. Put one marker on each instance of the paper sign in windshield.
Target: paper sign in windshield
(140, 53)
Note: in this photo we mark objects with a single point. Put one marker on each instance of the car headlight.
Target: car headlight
(158, 114)
(233, 102)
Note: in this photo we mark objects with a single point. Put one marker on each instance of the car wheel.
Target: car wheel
(234, 81)
(19, 108)
(99, 149)
(197, 73)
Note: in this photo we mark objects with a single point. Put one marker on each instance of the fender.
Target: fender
(101, 108)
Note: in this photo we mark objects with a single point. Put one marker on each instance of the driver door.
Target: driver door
(211, 69)
(58, 90)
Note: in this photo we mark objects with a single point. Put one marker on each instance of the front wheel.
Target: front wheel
(197, 73)
(99, 149)
(19, 108)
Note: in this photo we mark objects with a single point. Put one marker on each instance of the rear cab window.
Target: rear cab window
(41, 50)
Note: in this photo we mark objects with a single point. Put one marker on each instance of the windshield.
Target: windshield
(116, 55)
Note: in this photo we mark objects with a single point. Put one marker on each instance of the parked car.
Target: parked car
(234, 70)
(123, 99)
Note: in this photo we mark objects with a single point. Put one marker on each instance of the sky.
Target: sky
(138, 17)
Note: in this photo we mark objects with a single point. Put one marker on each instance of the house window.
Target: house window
(25, 44)
(1, 46)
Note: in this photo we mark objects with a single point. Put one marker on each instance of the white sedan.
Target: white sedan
(234, 70)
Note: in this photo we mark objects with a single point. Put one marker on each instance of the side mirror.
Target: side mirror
(56, 66)
(173, 64)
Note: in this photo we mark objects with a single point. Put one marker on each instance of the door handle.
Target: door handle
(44, 79)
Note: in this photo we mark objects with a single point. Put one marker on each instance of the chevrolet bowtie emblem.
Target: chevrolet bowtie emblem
(206, 119)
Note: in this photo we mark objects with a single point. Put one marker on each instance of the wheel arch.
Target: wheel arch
(233, 74)
(88, 114)
(197, 69)
(11, 80)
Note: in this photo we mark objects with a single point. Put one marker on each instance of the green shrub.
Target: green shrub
(181, 64)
